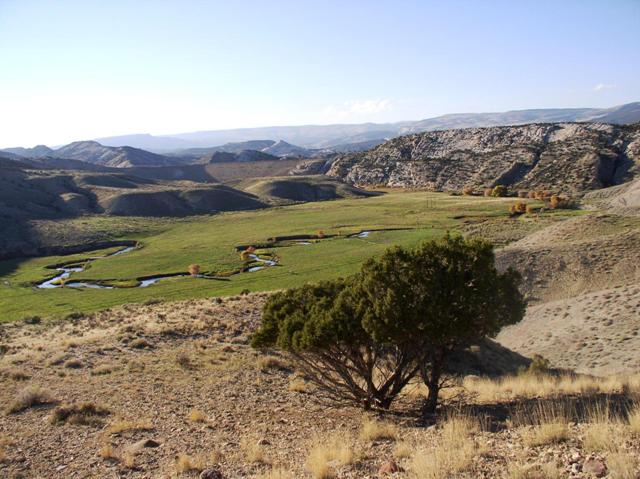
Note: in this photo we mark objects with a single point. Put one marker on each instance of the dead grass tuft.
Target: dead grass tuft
(323, 455)
(373, 430)
(518, 470)
(119, 427)
(83, 414)
(544, 434)
(30, 397)
(402, 450)
(622, 465)
(186, 464)
(254, 452)
(266, 363)
(277, 473)
(197, 416)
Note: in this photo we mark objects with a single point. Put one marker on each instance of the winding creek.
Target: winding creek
(62, 280)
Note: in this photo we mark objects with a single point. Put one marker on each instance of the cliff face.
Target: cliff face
(570, 157)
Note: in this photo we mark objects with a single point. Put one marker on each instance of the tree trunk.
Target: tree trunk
(431, 377)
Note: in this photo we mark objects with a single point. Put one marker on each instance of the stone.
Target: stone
(595, 467)
(212, 473)
(389, 467)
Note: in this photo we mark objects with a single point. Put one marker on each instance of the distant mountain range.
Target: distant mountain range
(250, 144)
(344, 135)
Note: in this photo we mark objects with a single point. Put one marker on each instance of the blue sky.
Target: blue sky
(84, 69)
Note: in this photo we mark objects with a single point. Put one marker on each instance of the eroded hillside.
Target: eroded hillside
(567, 157)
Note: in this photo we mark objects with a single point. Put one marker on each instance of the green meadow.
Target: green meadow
(210, 241)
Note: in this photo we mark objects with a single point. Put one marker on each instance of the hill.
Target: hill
(117, 157)
(329, 136)
(301, 189)
(569, 157)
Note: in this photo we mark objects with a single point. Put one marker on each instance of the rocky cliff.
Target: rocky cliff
(570, 157)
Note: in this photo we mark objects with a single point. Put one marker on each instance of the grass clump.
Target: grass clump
(197, 416)
(277, 473)
(254, 452)
(83, 414)
(266, 363)
(622, 465)
(29, 397)
(186, 464)
(121, 426)
(323, 455)
(454, 453)
(373, 430)
(544, 434)
(548, 470)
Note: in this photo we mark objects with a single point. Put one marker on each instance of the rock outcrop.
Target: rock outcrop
(567, 157)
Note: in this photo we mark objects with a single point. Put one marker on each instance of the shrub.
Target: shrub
(28, 398)
(522, 194)
(487, 192)
(194, 269)
(499, 191)
(531, 209)
(539, 365)
(467, 191)
(364, 338)
(320, 234)
(83, 414)
(531, 194)
(518, 208)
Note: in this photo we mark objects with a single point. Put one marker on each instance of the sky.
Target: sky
(75, 70)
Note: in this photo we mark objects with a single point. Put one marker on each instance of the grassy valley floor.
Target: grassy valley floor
(170, 246)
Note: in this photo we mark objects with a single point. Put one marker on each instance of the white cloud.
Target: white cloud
(358, 108)
(603, 86)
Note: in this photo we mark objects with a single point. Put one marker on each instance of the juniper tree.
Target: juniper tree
(364, 338)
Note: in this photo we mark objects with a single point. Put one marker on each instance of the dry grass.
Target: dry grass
(266, 363)
(634, 419)
(622, 465)
(73, 364)
(186, 464)
(487, 390)
(549, 433)
(373, 430)
(107, 451)
(3, 455)
(254, 452)
(197, 416)
(454, 452)
(128, 459)
(129, 426)
(83, 414)
(402, 450)
(298, 385)
(277, 473)
(337, 449)
(604, 432)
(549, 470)
(30, 397)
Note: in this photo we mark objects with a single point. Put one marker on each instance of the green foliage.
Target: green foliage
(499, 191)
(408, 309)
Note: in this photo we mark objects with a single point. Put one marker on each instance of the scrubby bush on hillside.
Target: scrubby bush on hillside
(364, 338)
(499, 191)
(468, 191)
(487, 191)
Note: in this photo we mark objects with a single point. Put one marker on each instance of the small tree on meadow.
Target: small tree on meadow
(194, 269)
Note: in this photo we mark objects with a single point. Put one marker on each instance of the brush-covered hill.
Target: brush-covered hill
(569, 157)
